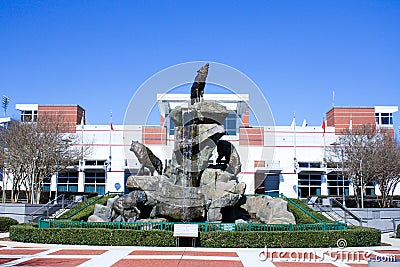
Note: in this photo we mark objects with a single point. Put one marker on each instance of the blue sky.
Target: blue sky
(97, 53)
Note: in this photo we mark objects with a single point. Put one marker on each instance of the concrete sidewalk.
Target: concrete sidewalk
(27, 254)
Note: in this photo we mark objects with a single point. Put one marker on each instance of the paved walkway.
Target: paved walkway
(24, 254)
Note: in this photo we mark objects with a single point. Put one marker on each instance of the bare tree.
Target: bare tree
(368, 156)
(35, 151)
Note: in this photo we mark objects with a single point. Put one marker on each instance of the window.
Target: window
(95, 181)
(46, 184)
(231, 124)
(28, 115)
(384, 118)
(95, 162)
(171, 127)
(370, 189)
(310, 164)
(335, 185)
(68, 181)
(309, 184)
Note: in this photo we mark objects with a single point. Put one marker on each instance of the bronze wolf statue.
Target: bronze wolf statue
(197, 90)
(128, 202)
(146, 158)
(231, 160)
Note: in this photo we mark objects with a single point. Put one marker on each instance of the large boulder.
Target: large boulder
(199, 113)
(102, 212)
(268, 210)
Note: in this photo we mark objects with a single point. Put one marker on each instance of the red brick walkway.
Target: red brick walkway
(46, 255)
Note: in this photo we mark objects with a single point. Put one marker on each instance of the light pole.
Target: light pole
(362, 185)
(342, 161)
(4, 103)
(343, 187)
(33, 179)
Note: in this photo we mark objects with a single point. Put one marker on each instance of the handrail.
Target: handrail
(87, 205)
(301, 208)
(51, 202)
(328, 212)
(323, 210)
(355, 217)
(74, 202)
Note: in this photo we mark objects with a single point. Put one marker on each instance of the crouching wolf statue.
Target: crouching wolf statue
(128, 202)
(146, 158)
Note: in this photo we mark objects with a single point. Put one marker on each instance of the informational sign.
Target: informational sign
(186, 230)
(228, 227)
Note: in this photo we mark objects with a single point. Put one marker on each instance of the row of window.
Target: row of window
(309, 184)
(231, 124)
(95, 181)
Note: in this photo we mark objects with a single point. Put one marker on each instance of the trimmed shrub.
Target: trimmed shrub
(86, 212)
(355, 236)
(91, 236)
(5, 223)
(398, 231)
(302, 217)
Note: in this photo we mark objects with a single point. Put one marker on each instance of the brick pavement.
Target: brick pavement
(20, 254)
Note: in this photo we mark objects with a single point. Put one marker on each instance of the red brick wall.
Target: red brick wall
(67, 116)
(154, 135)
(259, 163)
(339, 117)
(251, 137)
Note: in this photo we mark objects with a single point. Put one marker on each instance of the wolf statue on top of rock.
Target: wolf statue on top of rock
(146, 158)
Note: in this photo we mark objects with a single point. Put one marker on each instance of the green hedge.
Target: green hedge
(301, 217)
(5, 223)
(398, 231)
(355, 236)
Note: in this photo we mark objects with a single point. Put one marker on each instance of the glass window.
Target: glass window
(309, 184)
(46, 184)
(231, 124)
(315, 165)
(68, 181)
(335, 185)
(384, 118)
(95, 181)
(171, 127)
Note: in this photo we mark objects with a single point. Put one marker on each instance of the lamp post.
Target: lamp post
(33, 180)
(4, 103)
(362, 185)
(342, 162)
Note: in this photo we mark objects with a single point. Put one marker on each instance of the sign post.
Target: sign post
(186, 230)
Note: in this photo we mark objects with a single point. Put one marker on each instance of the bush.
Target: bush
(355, 236)
(398, 231)
(302, 217)
(5, 223)
(91, 236)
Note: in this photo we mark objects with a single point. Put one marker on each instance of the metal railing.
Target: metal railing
(89, 203)
(337, 217)
(47, 207)
(203, 227)
(348, 212)
(301, 208)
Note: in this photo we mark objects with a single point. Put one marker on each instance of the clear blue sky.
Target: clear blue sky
(97, 53)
